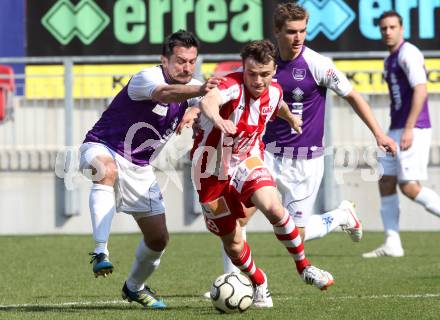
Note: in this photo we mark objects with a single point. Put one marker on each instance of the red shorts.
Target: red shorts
(223, 200)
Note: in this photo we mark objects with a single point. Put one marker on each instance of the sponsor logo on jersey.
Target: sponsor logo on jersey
(298, 74)
(266, 110)
(297, 94)
(232, 92)
(331, 73)
(160, 110)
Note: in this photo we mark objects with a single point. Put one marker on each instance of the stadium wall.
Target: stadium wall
(30, 206)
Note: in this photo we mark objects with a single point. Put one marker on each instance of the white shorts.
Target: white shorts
(298, 181)
(411, 164)
(136, 189)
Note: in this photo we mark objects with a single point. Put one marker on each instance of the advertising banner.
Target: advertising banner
(138, 27)
(102, 81)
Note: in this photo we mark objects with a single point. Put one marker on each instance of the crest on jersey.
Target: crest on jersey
(298, 74)
(297, 94)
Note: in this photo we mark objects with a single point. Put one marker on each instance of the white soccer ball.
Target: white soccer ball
(232, 292)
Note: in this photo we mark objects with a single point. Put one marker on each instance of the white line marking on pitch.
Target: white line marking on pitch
(120, 302)
(390, 296)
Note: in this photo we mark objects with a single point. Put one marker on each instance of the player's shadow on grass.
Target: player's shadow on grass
(188, 296)
(207, 309)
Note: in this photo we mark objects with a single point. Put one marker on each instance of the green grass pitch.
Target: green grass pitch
(49, 277)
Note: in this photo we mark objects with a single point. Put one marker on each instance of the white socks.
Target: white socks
(102, 210)
(390, 212)
(146, 262)
(430, 200)
(228, 266)
(321, 224)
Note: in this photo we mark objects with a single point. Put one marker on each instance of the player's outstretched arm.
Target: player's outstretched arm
(168, 93)
(211, 83)
(363, 110)
(285, 114)
(210, 107)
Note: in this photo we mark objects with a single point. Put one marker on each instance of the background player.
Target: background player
(119, 148)
(229, 173)
(410, 127)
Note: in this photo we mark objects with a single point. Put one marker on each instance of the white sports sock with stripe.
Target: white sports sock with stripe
(320, 225)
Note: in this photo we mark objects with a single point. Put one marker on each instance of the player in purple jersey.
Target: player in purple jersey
(117, 152)
(410, 127)
(297, 159)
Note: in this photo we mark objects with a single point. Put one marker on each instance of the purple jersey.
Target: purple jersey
(304, 81)
(135, 126)
(404, 69)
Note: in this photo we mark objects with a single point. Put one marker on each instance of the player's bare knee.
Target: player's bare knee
(111, 172)
(157, 243)
(274, 212)
(104, 171)
(387, 185)
(410, 189)
(233, 249)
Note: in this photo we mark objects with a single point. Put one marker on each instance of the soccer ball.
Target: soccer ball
(232, 292)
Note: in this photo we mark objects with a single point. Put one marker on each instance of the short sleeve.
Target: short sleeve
(326, 74)
(143, 83)
(229, 89)
(412, 63)
(277, 95)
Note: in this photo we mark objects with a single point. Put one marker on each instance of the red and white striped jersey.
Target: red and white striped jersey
(222, 153)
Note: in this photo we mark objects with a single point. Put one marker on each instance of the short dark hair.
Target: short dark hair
(179, 38)
(289, 12)
(262, 51)
(391, 13)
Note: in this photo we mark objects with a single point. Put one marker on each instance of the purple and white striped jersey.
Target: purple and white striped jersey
(304, 81)
(403, 70)
(135, 126)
